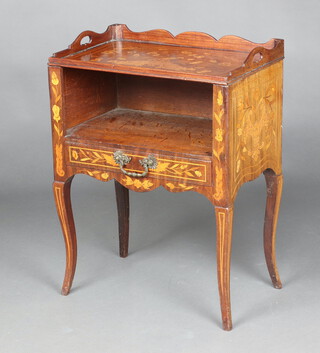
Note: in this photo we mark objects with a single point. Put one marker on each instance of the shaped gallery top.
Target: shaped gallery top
(192, 56)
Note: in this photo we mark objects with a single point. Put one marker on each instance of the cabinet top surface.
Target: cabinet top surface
(191, 56)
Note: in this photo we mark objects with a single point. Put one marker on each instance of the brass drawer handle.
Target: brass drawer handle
(122, 159)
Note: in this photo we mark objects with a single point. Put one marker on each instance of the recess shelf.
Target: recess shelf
(147, 130)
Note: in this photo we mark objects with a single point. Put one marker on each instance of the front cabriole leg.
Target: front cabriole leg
(61, 191)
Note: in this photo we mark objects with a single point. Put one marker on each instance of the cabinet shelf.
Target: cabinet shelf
(146, 130)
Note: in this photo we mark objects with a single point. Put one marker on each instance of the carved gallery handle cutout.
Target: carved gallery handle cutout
(86, 40)
(257, 57)
(122, 159)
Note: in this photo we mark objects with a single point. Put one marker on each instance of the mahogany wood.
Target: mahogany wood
(165, 96)
(120, 32)
(224, 219)
(274, 191)
(210, 112)
(61, 192)
(141, 129)
(87, 94)
(191, 55)
(122, 196)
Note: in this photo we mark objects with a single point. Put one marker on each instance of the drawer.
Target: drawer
(189, 170)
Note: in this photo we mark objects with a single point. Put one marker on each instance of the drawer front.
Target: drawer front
(168, 167)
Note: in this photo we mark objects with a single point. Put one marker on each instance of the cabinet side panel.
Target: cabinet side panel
(87, 94)
(165, 96)
(255, 123)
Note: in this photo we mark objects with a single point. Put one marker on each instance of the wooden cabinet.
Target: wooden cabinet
(189, 113)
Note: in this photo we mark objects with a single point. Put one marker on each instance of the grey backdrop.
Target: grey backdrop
(163, 297)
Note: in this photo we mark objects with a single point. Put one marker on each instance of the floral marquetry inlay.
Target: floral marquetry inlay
(137, 183)
(179, 187)
(165, 167)
(255, 124)
(57, 126)
(219, 146)
(180, 170)
(103, 176)
(255, 120)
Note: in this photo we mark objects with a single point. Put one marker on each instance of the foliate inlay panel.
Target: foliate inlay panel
(219, 143)
(168, 168)
(255, 122)
(55, 86)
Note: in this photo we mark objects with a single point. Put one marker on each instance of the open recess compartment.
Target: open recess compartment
(137, 111)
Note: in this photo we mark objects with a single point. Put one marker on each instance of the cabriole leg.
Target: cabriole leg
(122, 196)
(274, 190)
(224, 219)
(61, 191)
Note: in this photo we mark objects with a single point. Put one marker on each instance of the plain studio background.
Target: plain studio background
(163, 297)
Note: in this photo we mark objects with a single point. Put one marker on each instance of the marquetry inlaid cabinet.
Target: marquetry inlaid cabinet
(185, 112)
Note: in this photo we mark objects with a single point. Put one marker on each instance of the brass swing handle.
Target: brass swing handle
(122, 159)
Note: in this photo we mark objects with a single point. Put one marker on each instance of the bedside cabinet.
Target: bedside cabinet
(188, 113)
